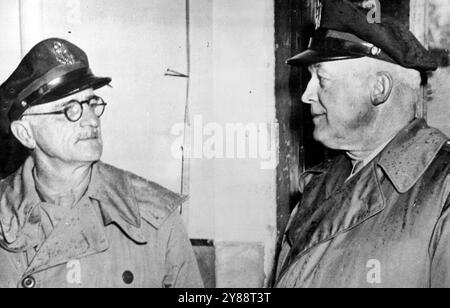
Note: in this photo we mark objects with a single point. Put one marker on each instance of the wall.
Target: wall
(244, 193)
(439, 39)
(10, 42)
(232, 82)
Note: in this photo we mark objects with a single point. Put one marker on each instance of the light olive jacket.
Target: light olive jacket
(125, 232)
(388, 226)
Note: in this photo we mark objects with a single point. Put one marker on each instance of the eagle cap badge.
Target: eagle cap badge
(62, 54)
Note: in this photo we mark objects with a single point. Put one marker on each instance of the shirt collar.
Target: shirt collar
(371, 156)
(410, 153)
(359, 164)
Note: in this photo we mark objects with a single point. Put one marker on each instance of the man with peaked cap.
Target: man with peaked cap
(66, 218)
(378, 215)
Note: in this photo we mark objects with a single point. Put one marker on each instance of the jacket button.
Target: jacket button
(28, 282)
(128, 277)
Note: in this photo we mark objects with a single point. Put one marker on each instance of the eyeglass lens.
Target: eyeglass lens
(74, 111)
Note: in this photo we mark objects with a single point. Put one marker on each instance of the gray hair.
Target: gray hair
(407, 83)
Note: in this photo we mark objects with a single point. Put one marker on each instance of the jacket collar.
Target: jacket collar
(410, 153)
(133, 198)
(117, 200)
(20, 218)
(19, 215)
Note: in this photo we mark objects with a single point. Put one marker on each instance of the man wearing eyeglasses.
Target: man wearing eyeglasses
(66, 218)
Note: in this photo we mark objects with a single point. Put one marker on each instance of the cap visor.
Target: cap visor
(74, 86)
(310, 56)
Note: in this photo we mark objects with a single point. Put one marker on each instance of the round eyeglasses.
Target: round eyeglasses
(73, 110)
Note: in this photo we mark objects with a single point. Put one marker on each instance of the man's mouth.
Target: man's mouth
(317, 115)
(88, 136)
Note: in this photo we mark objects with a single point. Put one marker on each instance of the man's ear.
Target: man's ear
(382, 89)
(23, 132)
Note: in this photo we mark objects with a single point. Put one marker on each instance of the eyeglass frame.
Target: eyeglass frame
(67, 108)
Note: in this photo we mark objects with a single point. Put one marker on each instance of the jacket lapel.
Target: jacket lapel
(80, 234)
(332, 206)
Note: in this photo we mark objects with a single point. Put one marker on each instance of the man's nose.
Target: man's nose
(310, 95)
(89, 118)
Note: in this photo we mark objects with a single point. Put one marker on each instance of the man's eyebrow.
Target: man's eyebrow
(314, 67)
(61, 105)
(323, 70)
(65, 103)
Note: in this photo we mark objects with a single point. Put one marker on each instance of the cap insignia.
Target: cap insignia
(375, 51)
(62, 54)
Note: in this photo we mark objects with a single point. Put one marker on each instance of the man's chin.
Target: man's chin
(89, 153)
(319, 135)
(88, 158)
(322, 137)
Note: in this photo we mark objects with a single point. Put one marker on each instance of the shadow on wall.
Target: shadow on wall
(12, 155)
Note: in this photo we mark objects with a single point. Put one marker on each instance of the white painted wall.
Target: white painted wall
(203, 176)
(233, 82)
(10, 40)
(244, 83)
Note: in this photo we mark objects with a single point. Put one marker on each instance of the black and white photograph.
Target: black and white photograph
(239, 145)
